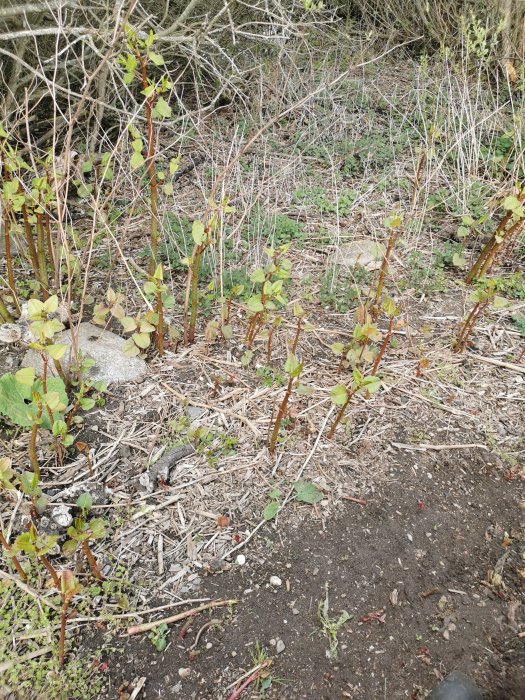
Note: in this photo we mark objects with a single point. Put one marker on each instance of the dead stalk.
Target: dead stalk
(146, 627)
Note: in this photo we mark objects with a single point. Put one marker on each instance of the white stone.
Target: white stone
(62, 516)
(241, 560)
(275, 581)
(280, 646)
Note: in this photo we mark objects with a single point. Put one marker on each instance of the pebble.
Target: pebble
(280, 646)
(275, 581)
(209, 645)
(184, 672)
(295, 611)
(62, 516)
(234, 654)
(241, 560)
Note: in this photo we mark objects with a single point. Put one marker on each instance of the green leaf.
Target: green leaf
(98, 528)
(370, 384)
(59, 428)
(128, 324)
(69, 547)
(227, 331)
(500, 302)
(156, 58)
(458, 260)
(86, 403)
(148, 91)
(142, 340)
(339, 395)
(130, 349)
(84, 501)
(14, 395)
(56, 351)
(258, 276)
(306, 492)
(34, 309)
(270, 511)
(513, 204)
(198, 232)
(26, 376)
(292, 366)
(162, 108)
(254, 304)
(393, 221)
(137, 159)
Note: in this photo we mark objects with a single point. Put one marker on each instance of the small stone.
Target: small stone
(209, 645)
(62, 516)
(446, 635)
(195, 412)
(275, 581)
(280, 646)
(240, 560)
(184, 672)
(234, 654)
(295, 611)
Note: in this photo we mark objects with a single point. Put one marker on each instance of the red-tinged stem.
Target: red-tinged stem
(30, 241)
(9, 259)
(384, 345)
(63, 623)
(468, 326)
(269, 350)
(160, 325)
(297, 335)
(50, 251)
(382, 274)
(32, 442)
(51, 570)
(41, 253)
(251, 679)
(92, 561)
(339, 416)
(280, 416)
(5, 544)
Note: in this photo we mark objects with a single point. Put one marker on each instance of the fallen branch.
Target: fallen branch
(423, 446)
(139, 629)
(6, 665)
(497, 363)
(360, 501)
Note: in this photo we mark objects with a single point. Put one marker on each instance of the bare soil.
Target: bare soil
(413, 569)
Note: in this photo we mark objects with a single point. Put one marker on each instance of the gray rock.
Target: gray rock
(364, 253)
(280, 646)
(104, 347)
(456, 686)
(195, 412)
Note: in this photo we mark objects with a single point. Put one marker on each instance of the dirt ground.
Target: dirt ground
(413, 569)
